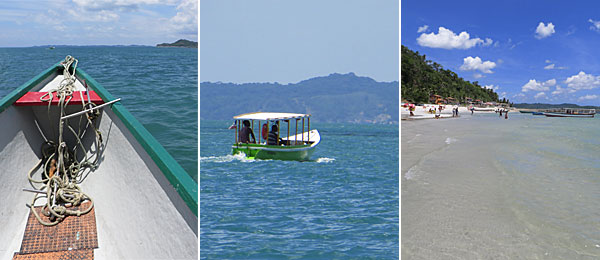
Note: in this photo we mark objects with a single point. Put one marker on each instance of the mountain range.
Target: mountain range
(333, 98)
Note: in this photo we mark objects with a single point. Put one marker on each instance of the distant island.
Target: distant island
(180, 43)
(333, 98)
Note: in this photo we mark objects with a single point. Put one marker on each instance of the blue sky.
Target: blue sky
(96, 22)
(289, 41)
(528, 51)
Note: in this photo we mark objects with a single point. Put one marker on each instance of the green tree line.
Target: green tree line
(421, 78)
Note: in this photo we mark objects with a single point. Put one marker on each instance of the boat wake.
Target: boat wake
(325, 160)
(226, 158)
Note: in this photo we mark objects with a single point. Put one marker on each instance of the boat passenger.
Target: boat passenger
(272, 139)
(246, 132)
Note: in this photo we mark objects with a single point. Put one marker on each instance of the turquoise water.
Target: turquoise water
(157, 85)
(482, 187)
(341, 205)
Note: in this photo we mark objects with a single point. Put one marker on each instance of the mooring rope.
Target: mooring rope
(61, 172)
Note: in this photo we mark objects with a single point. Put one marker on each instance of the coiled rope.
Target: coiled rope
(61, 172)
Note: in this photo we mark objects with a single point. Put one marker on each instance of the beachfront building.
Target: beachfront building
(451, 101)
(436, 99)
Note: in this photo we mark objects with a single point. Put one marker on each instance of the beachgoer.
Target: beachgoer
(246, 132)
(272, 139)
(506, 114)
(472, 109)
(500, 113)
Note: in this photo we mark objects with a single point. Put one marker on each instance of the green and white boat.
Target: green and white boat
(292, 142)
(145, 205)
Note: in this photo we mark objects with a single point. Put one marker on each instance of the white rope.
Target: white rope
(62, 172)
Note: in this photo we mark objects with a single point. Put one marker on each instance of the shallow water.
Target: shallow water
(157, 85)
(341, 205)
(484, 187)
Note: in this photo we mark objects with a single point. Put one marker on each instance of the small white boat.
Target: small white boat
(140, 203)
(294, 145)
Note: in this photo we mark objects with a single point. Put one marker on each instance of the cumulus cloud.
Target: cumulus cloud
(582, 81)
(595, 25)
(491, 87)
(588, 97)
(534, 85)
(543, 31)
(98, 5)
(561, 90)
(446, 39)
(186, 19)
(423, 28)
(470, 63)
(540, 95)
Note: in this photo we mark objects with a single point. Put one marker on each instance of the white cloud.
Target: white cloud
(423, 28)
(549, 67)
(587, 97)
(186, 19)
(534, 85)
(540, 95)
(470, 63)
(492, 87)
(446, 39)
(595, 25)
(543, 31)
(488, 42)
(98, 5)
(582, 81)
(477, 75)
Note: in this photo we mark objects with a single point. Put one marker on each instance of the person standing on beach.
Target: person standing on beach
(500, 112)
(506, 114)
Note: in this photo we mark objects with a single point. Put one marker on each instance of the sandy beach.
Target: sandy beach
(422, 112)
(470, 189)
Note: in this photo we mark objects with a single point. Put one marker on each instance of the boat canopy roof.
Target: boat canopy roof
(269, 116)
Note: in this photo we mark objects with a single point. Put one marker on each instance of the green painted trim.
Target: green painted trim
(22, 90)
(301, 155)
(181, 181)
(272, 146)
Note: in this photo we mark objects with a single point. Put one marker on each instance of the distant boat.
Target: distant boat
(297, 147)
(572, 112)
(526, 111)
(538, 113)
(51, 48)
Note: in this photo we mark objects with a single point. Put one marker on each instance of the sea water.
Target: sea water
(343, 204)
(157, 85)
(483, 187)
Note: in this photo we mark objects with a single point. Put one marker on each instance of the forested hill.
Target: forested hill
(333, 98)
(421, 78)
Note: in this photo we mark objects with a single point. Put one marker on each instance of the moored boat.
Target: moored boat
(526, 111)
(572, 112)
(271, 142)
(67, 141)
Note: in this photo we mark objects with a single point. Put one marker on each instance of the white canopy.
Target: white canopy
(269, 116)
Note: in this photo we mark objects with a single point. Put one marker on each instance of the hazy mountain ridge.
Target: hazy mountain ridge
(333, 98)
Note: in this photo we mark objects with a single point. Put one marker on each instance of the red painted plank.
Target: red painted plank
(33, 99)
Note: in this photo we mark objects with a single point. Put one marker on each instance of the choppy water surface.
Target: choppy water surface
(157, 85)
(341, 205)
(483, 187)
